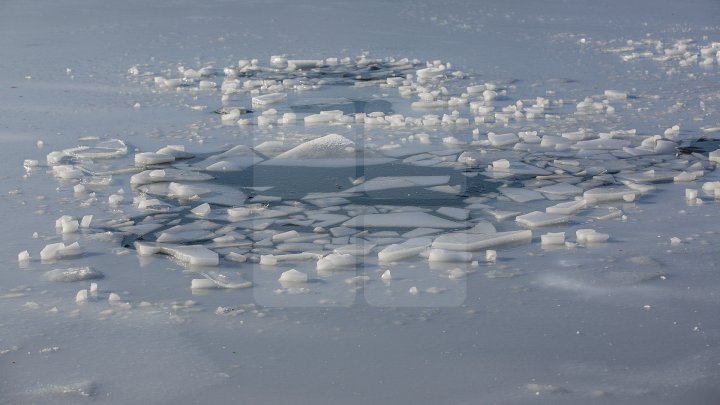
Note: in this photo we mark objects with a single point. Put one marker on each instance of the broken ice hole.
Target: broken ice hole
(292, 183)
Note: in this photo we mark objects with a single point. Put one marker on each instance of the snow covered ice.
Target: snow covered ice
(517, 201)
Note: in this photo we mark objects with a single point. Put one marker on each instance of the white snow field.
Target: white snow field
(459, 202)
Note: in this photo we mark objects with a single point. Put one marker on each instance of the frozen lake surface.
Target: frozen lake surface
(388, 202)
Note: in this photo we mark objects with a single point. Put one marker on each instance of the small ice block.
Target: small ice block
(553, 238)
(539, 218)
(293, 276)
(441, 255)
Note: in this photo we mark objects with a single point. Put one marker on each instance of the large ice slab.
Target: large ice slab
(401, 220)
(167, 175)
(195, 255)
(393, 182)
(521, 195)
(538, 218)
(407, 249)
(465, 241)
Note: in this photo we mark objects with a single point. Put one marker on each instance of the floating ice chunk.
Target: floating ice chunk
(327, 117)
(501, 164)
(400, 220)
(358, 280)
(714, 156)
(539, 218)
(230, 117)
(409, 248)
(386, 276)
(67, 172)
(173, 236)
(447, 189)
(590, 236)
(177, 151)
(239, 212)
(566, 208)
(67, 224)
(420, 232)
(483, 227)
(413, 290)
(606, 194)
(465, 241)
(475, 89)
(561, 189)
(114, 298)
(293, 276)
(674, 241)
(459, 214)
(201, 210)
(30, 163)
(24, 256)
(602, 144)
(81, 297)
(281, 237)
(456, 273)
(709, 187)
(302, 64)
(234, 159)
(499, 140)
(430, 73)
(653, 145)
(268, 260)
(195, 255)
(672, 132)
(355, 249)
(219, 281)
(56, 251)
(152, 158)
(323, 220)
(335, 261)
(268, 99)
(429, 104)
(684, 177)
(145, 249)
(287, 119)
(441, 255)
(167, 175)
(112, 148)
(278, 61)
(490, 256)
(553, 238)
(615, 95)
(521, 195)
(85, 222)
(93, 289)
(264, 121)
(73, 274)
(115, 199)
(236, 257)
(691, 194)
(395, 182)
(178, 190)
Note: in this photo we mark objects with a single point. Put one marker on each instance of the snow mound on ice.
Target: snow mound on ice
(328, 146)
